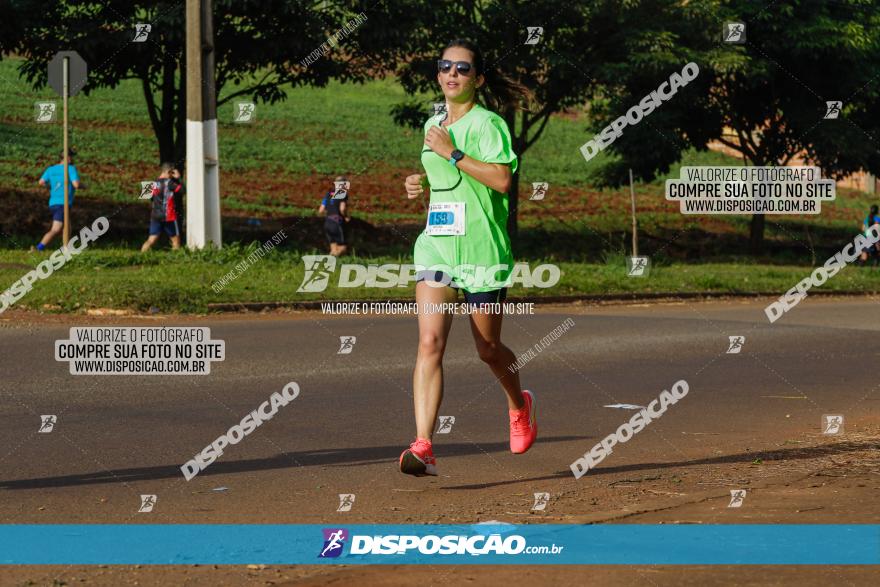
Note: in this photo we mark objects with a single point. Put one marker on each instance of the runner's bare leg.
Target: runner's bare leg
(151, 240)
(54, 231)
(486, 328)
(428, 373)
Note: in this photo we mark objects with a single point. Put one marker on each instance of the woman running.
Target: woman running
(872, 219)
(469, 162)
(334, 205)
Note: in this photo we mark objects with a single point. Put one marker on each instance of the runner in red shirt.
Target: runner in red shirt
(167, 192)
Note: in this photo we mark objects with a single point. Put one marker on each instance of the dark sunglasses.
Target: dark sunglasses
(463, 67)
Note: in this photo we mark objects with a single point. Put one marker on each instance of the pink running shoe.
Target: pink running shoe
(418, 459)
(523, 425)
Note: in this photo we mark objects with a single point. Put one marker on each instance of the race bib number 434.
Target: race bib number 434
(446, 219)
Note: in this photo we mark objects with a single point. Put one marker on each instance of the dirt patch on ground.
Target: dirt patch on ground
(399, 576)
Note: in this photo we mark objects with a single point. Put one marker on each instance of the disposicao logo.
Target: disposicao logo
(334, 540)
(320, 268)
(488, 541)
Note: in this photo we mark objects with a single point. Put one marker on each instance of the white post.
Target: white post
(203, 175)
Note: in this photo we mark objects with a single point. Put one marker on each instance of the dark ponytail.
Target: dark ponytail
(499, 93)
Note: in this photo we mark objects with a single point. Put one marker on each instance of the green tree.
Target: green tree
(659, 38)
(259, 46)
(770, 91)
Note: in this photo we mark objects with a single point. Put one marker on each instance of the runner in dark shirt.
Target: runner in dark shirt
(334, 205)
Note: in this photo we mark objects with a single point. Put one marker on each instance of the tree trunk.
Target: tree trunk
(164, 114)
(163, 127)
(756, 228)
(169, 107)
(756, 234)
(180, 118)
(166, 141)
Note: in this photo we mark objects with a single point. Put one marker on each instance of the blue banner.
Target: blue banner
(487, 543)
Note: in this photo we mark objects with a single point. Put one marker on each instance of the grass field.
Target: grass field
(277, 168)
(181, 281)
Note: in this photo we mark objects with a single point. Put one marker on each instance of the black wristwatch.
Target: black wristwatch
(456, 157)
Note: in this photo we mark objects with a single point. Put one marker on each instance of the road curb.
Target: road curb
(542, 300)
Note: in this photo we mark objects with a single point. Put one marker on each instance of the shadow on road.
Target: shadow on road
(345, 457)
(791, 454)
(349, 457)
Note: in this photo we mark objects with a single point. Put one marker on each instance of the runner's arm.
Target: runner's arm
(494, 175)
(74, 178)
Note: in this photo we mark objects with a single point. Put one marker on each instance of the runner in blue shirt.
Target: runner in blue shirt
(53, 178)
(870, 220)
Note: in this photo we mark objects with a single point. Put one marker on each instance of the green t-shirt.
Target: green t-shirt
(484, 136)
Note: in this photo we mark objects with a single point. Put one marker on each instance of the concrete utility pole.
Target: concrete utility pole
(202, 171)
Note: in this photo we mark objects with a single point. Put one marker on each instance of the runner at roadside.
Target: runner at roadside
(469, 162)
(872, 219)
(53, 178)
(335, 204)
(167, 193)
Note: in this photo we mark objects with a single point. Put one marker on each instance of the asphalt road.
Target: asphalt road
(751, 420)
